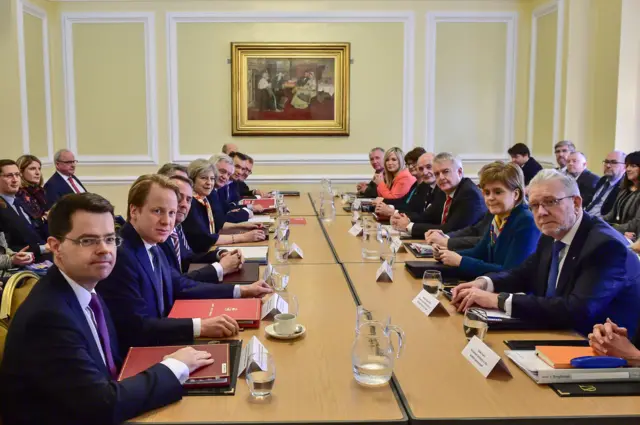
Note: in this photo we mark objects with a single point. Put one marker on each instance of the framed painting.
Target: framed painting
(289, 89)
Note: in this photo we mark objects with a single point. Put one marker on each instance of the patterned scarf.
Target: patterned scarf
(497, 225)
(204, 201)
(34, 200)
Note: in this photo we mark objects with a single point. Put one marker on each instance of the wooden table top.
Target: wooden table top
(349, 248)
(299, 205)
(439, 384)
(314, 380)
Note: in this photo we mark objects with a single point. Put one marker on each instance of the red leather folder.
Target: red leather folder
(216, 374)
(297, 220)
(246, 311)
(267, 203)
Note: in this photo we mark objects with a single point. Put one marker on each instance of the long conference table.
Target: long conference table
(432, 381)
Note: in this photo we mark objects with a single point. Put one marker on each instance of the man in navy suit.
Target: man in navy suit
(587, 181)
(607, 188)
(521, 155)
(179, 253)
(19, 228)
(243, 168)
(458, 203)
(64, 180)
(580, 274)
(226, 191)
(61, 355)
(143, 286)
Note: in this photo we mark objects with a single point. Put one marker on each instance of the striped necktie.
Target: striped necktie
(445, 211)
(176, 246)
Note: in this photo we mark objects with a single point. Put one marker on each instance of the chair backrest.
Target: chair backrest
(15, 292)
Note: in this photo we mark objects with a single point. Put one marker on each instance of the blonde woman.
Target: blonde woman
(396, 180)
(34, 200)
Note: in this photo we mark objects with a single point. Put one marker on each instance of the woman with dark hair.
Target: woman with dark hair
(625, 214)
(31, 192)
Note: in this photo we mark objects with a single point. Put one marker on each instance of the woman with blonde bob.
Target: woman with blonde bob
(513, 234)
(397, 180)
(205, 220)
(34, 200)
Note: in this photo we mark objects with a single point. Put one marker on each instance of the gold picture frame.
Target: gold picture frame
(290, 89)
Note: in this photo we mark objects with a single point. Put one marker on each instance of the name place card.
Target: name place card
(274, 305)
(356, 230)
(254, 346)
(429, 304)
(397, 245)
(384, 273)
(295, 251)
(483, 358)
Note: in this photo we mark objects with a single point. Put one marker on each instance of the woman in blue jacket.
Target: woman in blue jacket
(513, 234)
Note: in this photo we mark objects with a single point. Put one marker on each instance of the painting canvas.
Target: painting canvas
(290, 89)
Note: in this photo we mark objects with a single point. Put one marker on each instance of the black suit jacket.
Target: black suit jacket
(608, 203)
(371, 191)
(469, 236)
(587, 184)
(530, 169)
(466, 209)
(56, 187)
(600, 278)
(130, 292)
(416, 201)
(52, 371)
(20, 233)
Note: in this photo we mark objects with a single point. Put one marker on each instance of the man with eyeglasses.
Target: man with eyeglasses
(243, 165)
(580, 274)
(457, 205)
(64, 180)
(577, 168)
(608, 186)
(20, 229)
(225, 192)
(61, 358)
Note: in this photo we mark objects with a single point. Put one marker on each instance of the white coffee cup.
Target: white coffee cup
(285, 323)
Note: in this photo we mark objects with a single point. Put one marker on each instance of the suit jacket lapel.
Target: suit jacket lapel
(166, 285)
(140, 252)
(572, 256)
(546, 249)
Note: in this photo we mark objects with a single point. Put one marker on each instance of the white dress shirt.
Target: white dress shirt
(179, 369)
(566, 240)
(78, 185)
(197, 323)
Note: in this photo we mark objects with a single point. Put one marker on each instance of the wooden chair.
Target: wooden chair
(15, 292)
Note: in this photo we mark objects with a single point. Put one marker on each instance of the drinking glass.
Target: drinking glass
(292, 302)
(282, 248)
(475, 323)
(280, 277)
(432, 282)
(372, 240)
(261, 374)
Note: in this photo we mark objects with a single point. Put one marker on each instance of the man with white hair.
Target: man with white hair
(457, 205)
(587, 181)
(64, 180)
(580, 274)
(222, 193)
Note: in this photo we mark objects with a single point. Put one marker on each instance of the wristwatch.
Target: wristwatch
(502, 298)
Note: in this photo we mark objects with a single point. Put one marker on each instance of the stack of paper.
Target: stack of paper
(261, 219)
(254, 254)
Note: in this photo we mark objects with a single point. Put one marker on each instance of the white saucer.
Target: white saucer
(270, 330)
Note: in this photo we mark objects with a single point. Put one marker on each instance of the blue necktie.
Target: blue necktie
(157, 269)
(554, 269)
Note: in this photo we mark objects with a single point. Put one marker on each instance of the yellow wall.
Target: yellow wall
(10, 125)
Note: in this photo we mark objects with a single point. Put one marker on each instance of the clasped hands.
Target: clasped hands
(609, 339)
(473, 293)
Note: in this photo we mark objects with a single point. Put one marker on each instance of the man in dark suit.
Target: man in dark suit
(243, 169)
(19, 228)
(458, 204)
(460, 239)
(64, 180)
(577, 168)
(65, 372)
(608, 186)
(421, 194)
(580, 274)
(142, 287)
(226, 192)
(521, 155)
(180, 255)
(376, 159)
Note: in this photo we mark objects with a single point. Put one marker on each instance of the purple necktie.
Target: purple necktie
(103, 333)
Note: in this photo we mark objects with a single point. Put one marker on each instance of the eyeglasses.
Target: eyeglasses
(548, 203)
(612, 162)
(11, 175)
(87, 242)
(68, 162)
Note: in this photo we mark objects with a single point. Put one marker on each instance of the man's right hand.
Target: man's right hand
(194, 359)
(436, 239)
(360, 187)
(231, 262)
(456, 291)
(384, 210)
(256, 235)
(219, 327)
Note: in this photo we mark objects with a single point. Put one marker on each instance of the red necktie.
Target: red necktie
(445, 212)
(73, 185)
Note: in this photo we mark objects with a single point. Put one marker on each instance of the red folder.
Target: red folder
(297, 220)
(216, 374)
(268, 203)
(246, 311)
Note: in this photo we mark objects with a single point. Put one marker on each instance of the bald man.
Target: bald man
(587, 181)
(228, 148)
(608, 186)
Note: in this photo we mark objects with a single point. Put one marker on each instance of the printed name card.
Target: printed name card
(356, 230)
(295, 251)
(254, 346)
(396, 245)
(275, 305)
(428, 304)
(267, 273)
(384, 273)
(483, 358)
